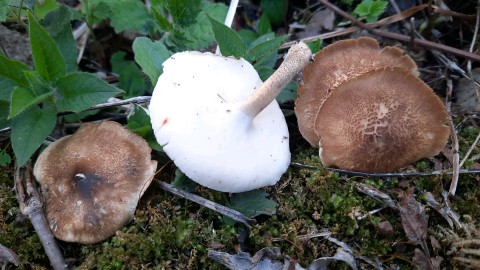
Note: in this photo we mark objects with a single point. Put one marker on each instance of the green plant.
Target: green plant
(371, 9)
(32, 98)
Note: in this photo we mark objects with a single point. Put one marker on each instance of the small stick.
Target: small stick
(404, 38)
(455, 145)
(31, 205)
(402, 175)
(233, 214)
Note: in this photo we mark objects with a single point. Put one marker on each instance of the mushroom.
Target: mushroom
(381, 121)
(334, 65)
(217, 121)
(92, 181)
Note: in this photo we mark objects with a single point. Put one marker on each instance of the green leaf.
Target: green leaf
(201, 34)
(253, 203)
(46, 56)
(247, 35)
(6, 88)
(5, 158)
(275, 9)
(22, 99)
(162, 21)
(128, 15)
(139, 122)
(41, 8)
(79, 91)
(264, 25)
(57, 23)
(149, 56)
(184, 12)
(363, 9)
(288, 93)
(132, 80)
(3, 10)
(182, 182)
(377, 8)
(29, 130)
(315, 46)
(262, 50)
(13, 70)
(229, 41)
(37, 84)
(4, 109)
(28, 4)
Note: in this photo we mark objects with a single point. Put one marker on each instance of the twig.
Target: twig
(31, 205)
(7, 256)
(474, 85)
(404, 38)
(455, 146)
(382, 22)
(400, 174)
(233, 214)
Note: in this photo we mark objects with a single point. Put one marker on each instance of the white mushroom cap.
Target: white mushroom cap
(198, 113)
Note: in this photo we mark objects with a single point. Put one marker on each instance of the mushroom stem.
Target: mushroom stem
(298, 56)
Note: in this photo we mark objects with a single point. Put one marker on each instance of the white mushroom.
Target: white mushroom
(217, 121)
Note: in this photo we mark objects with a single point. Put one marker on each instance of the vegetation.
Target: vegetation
(127, 44)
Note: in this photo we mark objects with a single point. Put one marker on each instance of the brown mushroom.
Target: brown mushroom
(381, 121)
(335, 64)
(92, 181)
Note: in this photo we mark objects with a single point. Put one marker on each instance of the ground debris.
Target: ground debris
(272, 259)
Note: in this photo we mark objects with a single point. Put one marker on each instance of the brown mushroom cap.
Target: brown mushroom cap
(92, 181)
(381, 121)
(335, 64)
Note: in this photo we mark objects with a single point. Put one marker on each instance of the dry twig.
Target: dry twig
(31, 206)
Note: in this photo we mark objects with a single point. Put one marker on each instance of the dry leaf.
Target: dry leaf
(425, 263)
(414, 219)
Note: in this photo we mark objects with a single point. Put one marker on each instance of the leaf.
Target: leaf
(131, 78)
(315, 46)
(3, 10)
(139, 122)
(253, 203)
(46, 56)
(162, 21)
(149, 56)
(264, 25)
(425, 263)
(184, 13)
(6, 88)
(57, 23)
(37, 84)
(13, 70)
(264, 49)
(201, 34)
(41, 8)
(247, 35)
(363, 9)
(30, 129)
(128, 15)
(229, 41)
(79, 91)
(4, 109)
(275, 9)
(182, 182)
(22, 99)
(340, 255)
(288, 93)
(5, 158)
(414, 219)
(376, 9)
